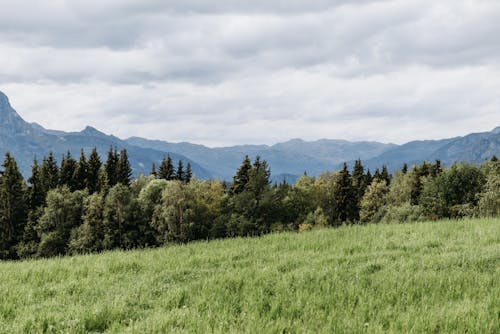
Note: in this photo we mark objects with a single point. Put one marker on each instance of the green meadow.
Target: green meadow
(435, 277)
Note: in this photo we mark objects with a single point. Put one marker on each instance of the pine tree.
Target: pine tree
(404, 170)
(123, 169)
(189, 173)
(180, 174)
(50, 172)
(13, 207)
(111, 166)
(36, 190)
(93, 168)
(153, 171)
(385, 176)
(166, 170)
(67, 171)
(80, 175)
(241, 178)
(494, 158)
(345, 197)
(359, 184)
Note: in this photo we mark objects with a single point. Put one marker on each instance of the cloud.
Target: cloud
(262, 71)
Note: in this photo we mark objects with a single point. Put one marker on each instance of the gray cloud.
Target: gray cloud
(260, 71)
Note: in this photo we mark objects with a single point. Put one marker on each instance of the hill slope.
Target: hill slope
(429, 277)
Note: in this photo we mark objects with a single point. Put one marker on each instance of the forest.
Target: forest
(87, 205)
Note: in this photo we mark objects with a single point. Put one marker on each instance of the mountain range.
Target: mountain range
(287, 160)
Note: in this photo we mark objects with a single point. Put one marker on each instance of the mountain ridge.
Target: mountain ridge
(288, 160)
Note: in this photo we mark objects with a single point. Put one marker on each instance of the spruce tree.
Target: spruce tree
(123, 169)
(153, 172)
(189, 173)
(111, 166)
(385, 176)
(404, 170)
(50, 172)
(345, 198)
(241, 178)
(93, 168)
(36, 190)
(80, 175)
(13, 207)
(67, 171)
(166, 170)
(180, 174)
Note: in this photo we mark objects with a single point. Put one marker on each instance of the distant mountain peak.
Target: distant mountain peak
(91, 131)
(496, 130)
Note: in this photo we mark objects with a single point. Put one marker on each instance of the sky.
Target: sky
(254, 72)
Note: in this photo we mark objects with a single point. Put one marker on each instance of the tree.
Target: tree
(124, 170)
(242, 177)
(13, 207)
(50, 172)
(489, 199)
(62, 214)
(67, 171)
(188, 174)
(180, 174)
(345, 198)
(111, 166)
(373, 200)
(166, 170)
(89, 236)
(36, 189)
(80, 175)
(153, 172)
(358, 183)
(93, 169)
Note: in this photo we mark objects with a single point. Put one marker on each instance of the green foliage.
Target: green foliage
(50, 173)
(373, 200)
(93, 170)
(62, 214)
(13, 207)
(166, 170)
(123, 169)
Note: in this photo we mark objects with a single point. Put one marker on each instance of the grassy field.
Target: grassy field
(441, 277)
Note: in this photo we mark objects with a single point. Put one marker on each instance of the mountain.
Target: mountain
(287, 160)
(473, 148)
(27, 140)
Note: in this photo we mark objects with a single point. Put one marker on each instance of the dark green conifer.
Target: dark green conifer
(153, 171)
(93, 168)
(241, 178)
(67, 171)
(166, 170)
(189, 173)
(123, 169)
(180, 174)
(111, 166)
(80, 175)
(50, 172)
(13, 207)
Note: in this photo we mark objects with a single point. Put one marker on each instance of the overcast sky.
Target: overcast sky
(260, 71)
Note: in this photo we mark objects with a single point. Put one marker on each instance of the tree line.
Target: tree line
(89, 206)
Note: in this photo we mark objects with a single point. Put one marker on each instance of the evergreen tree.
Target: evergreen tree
(80, 175)
(50, 172)
(93, 168)
(153, 171)
(166, 170)
(111, 166)
(123, 169)
(404, 170)
(36, 190)
(67, 171)
(13, 207)
(345, 197)
(188, 174)
(385, 176)
(180, 174)
(242, 176)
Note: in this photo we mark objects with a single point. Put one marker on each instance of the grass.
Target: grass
(441, 277)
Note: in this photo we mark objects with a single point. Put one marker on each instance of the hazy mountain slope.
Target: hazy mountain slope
(24, 141)
(291, 158)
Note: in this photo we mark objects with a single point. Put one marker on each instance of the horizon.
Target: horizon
(237, 73)
(244, 144)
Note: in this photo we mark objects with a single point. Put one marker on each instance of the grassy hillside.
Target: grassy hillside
(439, 277)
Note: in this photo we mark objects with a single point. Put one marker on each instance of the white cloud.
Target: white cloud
(254, 72)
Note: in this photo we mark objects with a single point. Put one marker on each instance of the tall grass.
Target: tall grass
(441, 277)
